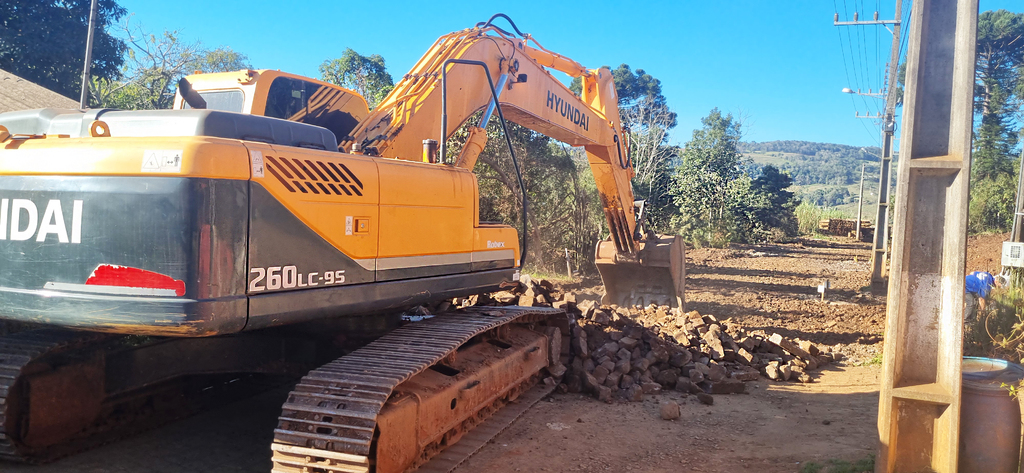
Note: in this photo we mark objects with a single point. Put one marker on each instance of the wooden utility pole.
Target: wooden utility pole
(860, 199)
(84, 102)
(919, 399)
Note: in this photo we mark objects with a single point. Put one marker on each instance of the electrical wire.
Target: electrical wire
(846, 67)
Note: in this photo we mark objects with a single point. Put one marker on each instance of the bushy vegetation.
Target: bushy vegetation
(829, 196)
(808, 215)
(998, 97)
(718, 202)
(815, 163)
(998, 331)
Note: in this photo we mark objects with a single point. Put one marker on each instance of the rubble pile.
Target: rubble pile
(619, 352)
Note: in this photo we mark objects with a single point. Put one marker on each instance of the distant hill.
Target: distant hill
(824, 174)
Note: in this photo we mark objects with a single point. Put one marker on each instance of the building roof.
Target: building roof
(21, 94)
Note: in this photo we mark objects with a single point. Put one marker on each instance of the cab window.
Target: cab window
(225, 100)
(307, 102)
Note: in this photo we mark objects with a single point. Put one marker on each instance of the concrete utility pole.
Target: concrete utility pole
(879, 252)
(84, 102)
(920, 397)
(860, 199)
(880, 245)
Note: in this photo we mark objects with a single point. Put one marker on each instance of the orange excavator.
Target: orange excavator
(172, 253)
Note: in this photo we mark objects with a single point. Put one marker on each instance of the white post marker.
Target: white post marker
(822, 287)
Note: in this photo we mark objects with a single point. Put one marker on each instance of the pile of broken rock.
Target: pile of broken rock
(626, 352)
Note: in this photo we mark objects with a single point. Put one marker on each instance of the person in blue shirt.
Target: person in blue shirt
(977, 286)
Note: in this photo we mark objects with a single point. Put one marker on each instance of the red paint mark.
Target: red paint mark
(125, 276)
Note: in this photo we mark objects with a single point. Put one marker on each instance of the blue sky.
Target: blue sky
(779, 65)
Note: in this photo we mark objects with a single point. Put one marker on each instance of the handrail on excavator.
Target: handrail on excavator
(504, 130)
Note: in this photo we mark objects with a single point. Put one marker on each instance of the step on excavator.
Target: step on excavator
(271, 223)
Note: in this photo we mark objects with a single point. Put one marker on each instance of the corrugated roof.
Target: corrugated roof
(21, 94)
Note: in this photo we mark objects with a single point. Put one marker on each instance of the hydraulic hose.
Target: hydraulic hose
(484, 24)
(504, 129)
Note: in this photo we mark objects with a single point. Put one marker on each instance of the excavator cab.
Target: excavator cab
(274, 94)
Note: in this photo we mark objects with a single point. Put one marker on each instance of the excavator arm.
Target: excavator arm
(447, 86)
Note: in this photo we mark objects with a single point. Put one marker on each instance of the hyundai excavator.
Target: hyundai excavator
(268, 216)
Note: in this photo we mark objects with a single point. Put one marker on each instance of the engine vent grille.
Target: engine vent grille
(317, 177)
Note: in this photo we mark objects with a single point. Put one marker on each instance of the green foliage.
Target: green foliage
(367, 75)
(999, 330)
(829, 196)
(808, 215)
(816, 163)
(863, 465)
(992, 202)
(709, 166)
(44, 41)
(221, 59)
(719, 203)
(998, 96)
(763, 209)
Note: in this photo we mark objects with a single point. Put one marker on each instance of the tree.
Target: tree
(719, 202)
(992, 203)
(154, 66)
(222, 59)
(710, 164)
(44, 41)
(763, 209)
(366, 75)
(564, 208)
(998, 91)
(998, 96)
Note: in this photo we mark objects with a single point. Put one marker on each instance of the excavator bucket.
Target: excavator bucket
(654, 276)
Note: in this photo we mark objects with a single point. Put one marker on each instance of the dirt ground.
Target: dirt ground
(984, 252)
(776, 427)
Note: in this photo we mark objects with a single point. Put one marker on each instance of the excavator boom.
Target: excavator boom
(444, 83)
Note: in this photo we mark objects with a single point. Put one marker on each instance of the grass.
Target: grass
(808, 216)
(875, 360)
(864, 465)
(538, 274)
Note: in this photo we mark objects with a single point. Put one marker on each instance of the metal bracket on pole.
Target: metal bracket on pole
(919, 402)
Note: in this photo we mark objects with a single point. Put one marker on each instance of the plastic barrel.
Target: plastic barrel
(989, 417)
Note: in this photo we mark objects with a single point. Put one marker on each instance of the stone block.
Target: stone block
(705, 398)
(669, 410)
(728, 386)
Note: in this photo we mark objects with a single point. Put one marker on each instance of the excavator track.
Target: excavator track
(54, 399)
(17, 352)
(329, 423)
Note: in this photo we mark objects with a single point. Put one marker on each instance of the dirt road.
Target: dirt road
(774, 428)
